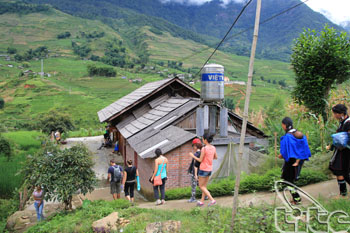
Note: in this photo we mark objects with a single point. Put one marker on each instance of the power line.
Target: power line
(269, 19)
(239, 33)
(223, 39)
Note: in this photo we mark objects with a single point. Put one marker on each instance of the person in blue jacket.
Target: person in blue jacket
(294, 150)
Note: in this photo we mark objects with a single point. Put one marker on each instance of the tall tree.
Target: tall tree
(319, 60)
(61, 173)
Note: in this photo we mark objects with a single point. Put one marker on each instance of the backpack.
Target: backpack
(117, 174)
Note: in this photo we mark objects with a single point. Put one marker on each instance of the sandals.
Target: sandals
(212, 203)
(158, 202)
(295, 202)
(199, 203)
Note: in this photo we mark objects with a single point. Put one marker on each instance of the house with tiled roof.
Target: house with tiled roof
(162, 114)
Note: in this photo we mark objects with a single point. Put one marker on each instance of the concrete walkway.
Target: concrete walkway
(100, 157)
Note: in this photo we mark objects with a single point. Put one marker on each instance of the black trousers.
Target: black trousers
(129, 189)
(340, 164)
(160, 188)
(290, 174)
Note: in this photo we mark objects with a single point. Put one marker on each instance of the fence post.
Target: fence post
(275, 133)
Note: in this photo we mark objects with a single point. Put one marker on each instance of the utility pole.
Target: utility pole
(245, 114)
(42, 67)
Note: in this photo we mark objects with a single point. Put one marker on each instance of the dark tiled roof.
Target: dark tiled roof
(130, 99)
(151, 116)
(166, 139)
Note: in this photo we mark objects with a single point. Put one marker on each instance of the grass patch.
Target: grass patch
(25, 140)
(24, 143)
(8, 179)
(7, 207)
(85, 133)
(215, 219)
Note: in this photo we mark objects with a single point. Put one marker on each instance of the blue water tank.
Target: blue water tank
(212, 83)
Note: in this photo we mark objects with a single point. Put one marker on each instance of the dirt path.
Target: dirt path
(101, 158)
(325, 189)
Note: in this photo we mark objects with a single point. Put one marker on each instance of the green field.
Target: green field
(22, 143)
(71, 90)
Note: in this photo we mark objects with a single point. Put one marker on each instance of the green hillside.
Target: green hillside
(236, 67)
(198, 21)
(41, 29)
(70, 89)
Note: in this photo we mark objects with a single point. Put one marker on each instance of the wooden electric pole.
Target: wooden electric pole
(42, 67)
(245, 114)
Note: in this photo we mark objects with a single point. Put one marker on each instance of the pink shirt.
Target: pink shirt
(37, 194)
(207, 162)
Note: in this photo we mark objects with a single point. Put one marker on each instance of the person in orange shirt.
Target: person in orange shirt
(208, 154)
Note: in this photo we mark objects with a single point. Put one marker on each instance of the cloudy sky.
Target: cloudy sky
(337, 11)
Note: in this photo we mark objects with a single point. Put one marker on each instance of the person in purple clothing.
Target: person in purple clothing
(115, 175)
(38, 196)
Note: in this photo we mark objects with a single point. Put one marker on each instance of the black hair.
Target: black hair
(288, 123)
(158, 152)
(198, 145)
(112, 161)
(129, 162)
(208, 137)
(340, 108)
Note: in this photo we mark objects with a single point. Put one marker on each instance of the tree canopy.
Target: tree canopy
(55, 120)
(61, 173)
(319, 60)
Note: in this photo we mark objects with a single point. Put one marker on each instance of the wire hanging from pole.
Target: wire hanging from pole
(228, 32)
(241, 32)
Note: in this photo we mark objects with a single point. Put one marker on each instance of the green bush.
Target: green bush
(92, 35)
(63, 35)
(156, 31)
(5, 148)
(81, 50)
(55, 120)
(7, 207)
(21, 8)
(2, 103)
(11, 50)
(101, 71)
(61, 173)
(249, 184)
(40, 52)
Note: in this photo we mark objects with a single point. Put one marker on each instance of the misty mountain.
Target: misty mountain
(346, 25)
(211, 19)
